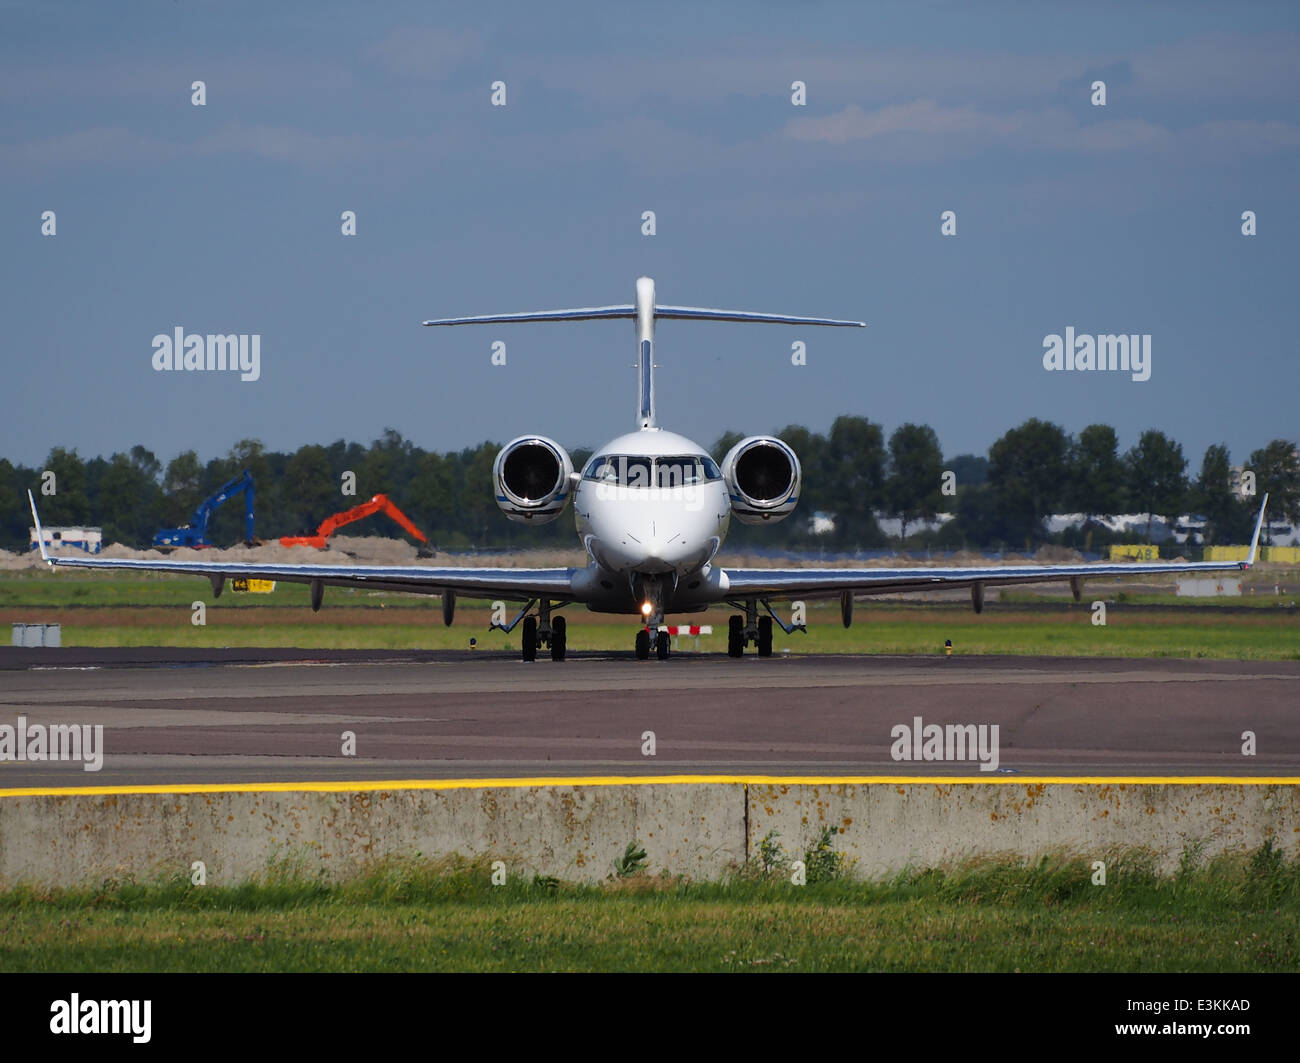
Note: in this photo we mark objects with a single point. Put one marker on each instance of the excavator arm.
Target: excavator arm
(195, 534)
(331, 524)
(396, 514)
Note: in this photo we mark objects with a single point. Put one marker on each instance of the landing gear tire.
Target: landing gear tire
(661, 645)
(558, 639)
(736, 636)
(643, 645)
(530, 638)
(765, 636)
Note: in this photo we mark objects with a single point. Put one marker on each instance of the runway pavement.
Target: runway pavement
(238, 716)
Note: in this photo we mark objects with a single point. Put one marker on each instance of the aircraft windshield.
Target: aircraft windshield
(627, 470)
(684, 470)
(624, 470)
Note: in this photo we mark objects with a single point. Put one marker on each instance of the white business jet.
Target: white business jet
(652, 511)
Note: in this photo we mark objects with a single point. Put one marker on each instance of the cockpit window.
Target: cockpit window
(684, 470)
(623, 470)
(627, 470)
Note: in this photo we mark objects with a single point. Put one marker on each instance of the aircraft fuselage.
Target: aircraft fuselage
(652, 510)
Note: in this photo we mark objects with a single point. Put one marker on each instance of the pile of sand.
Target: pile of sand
(365, 550)
(1058, 555)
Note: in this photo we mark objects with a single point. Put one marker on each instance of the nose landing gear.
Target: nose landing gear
(661, 642)
(650, 592)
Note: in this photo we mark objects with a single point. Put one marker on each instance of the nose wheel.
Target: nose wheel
(661, 644)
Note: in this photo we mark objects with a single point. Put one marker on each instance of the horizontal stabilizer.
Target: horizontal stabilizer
(681, 313)
(586, 313)
(700, 313)
(646, 312)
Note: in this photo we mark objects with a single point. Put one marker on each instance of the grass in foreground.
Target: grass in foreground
(1239, 913)
(886, 630)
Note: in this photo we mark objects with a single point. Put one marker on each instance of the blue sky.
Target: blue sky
(226, 218)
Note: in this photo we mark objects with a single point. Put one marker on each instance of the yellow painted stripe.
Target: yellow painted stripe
(657, 780)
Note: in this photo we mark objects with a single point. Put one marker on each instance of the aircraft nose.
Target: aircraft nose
(657, 556)
(665, 552)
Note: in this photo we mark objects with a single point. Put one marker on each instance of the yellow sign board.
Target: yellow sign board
(1140, 551)
(253, 586)
(1227, 553)
(1284, 554)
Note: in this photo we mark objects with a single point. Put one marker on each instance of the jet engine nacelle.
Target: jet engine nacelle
(762, 476)
(531, 476)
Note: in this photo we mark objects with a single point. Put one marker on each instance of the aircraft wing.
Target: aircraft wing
(508, 584)
(831, 582)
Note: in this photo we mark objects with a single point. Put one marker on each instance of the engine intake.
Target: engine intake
(763, 476)
(531, 475)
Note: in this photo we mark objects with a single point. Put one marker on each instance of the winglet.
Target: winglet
(40, 534)
(1259, 524)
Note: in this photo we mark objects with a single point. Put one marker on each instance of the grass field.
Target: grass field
(1237, 913)
(99, 610)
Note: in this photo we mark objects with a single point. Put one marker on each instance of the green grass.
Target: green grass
(919, 637)
(97, 590)
(1239, 913)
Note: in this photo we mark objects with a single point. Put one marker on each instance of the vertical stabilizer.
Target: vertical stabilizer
(645, 341)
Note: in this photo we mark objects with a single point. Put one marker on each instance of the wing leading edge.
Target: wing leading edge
(827, 582)
(509, 584)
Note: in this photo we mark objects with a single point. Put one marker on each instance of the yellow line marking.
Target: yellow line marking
(654, 780)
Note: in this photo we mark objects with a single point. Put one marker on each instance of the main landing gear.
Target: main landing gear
(540, 631)
(752, 628)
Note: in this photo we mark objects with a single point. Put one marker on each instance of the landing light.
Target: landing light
(647, 608)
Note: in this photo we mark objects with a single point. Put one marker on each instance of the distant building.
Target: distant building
(893, 527)
(821, 523)
(91, 540)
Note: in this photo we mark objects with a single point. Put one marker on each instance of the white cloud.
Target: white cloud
(925, 129)
(285, 144)
(919, 116)
(424, 51)
(101, 144)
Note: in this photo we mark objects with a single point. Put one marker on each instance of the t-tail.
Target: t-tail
(644, 311)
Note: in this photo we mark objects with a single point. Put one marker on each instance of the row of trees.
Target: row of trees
(852, 472)
(1032, 471)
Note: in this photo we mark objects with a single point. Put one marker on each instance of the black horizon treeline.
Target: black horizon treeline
(852, 472)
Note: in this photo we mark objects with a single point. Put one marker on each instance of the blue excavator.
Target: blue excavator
(195, 533)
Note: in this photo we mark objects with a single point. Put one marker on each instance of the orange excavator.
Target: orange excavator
(378, 504)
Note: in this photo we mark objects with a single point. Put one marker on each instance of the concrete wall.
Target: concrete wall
(887, 827)
(574, 832)
(577, 831)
